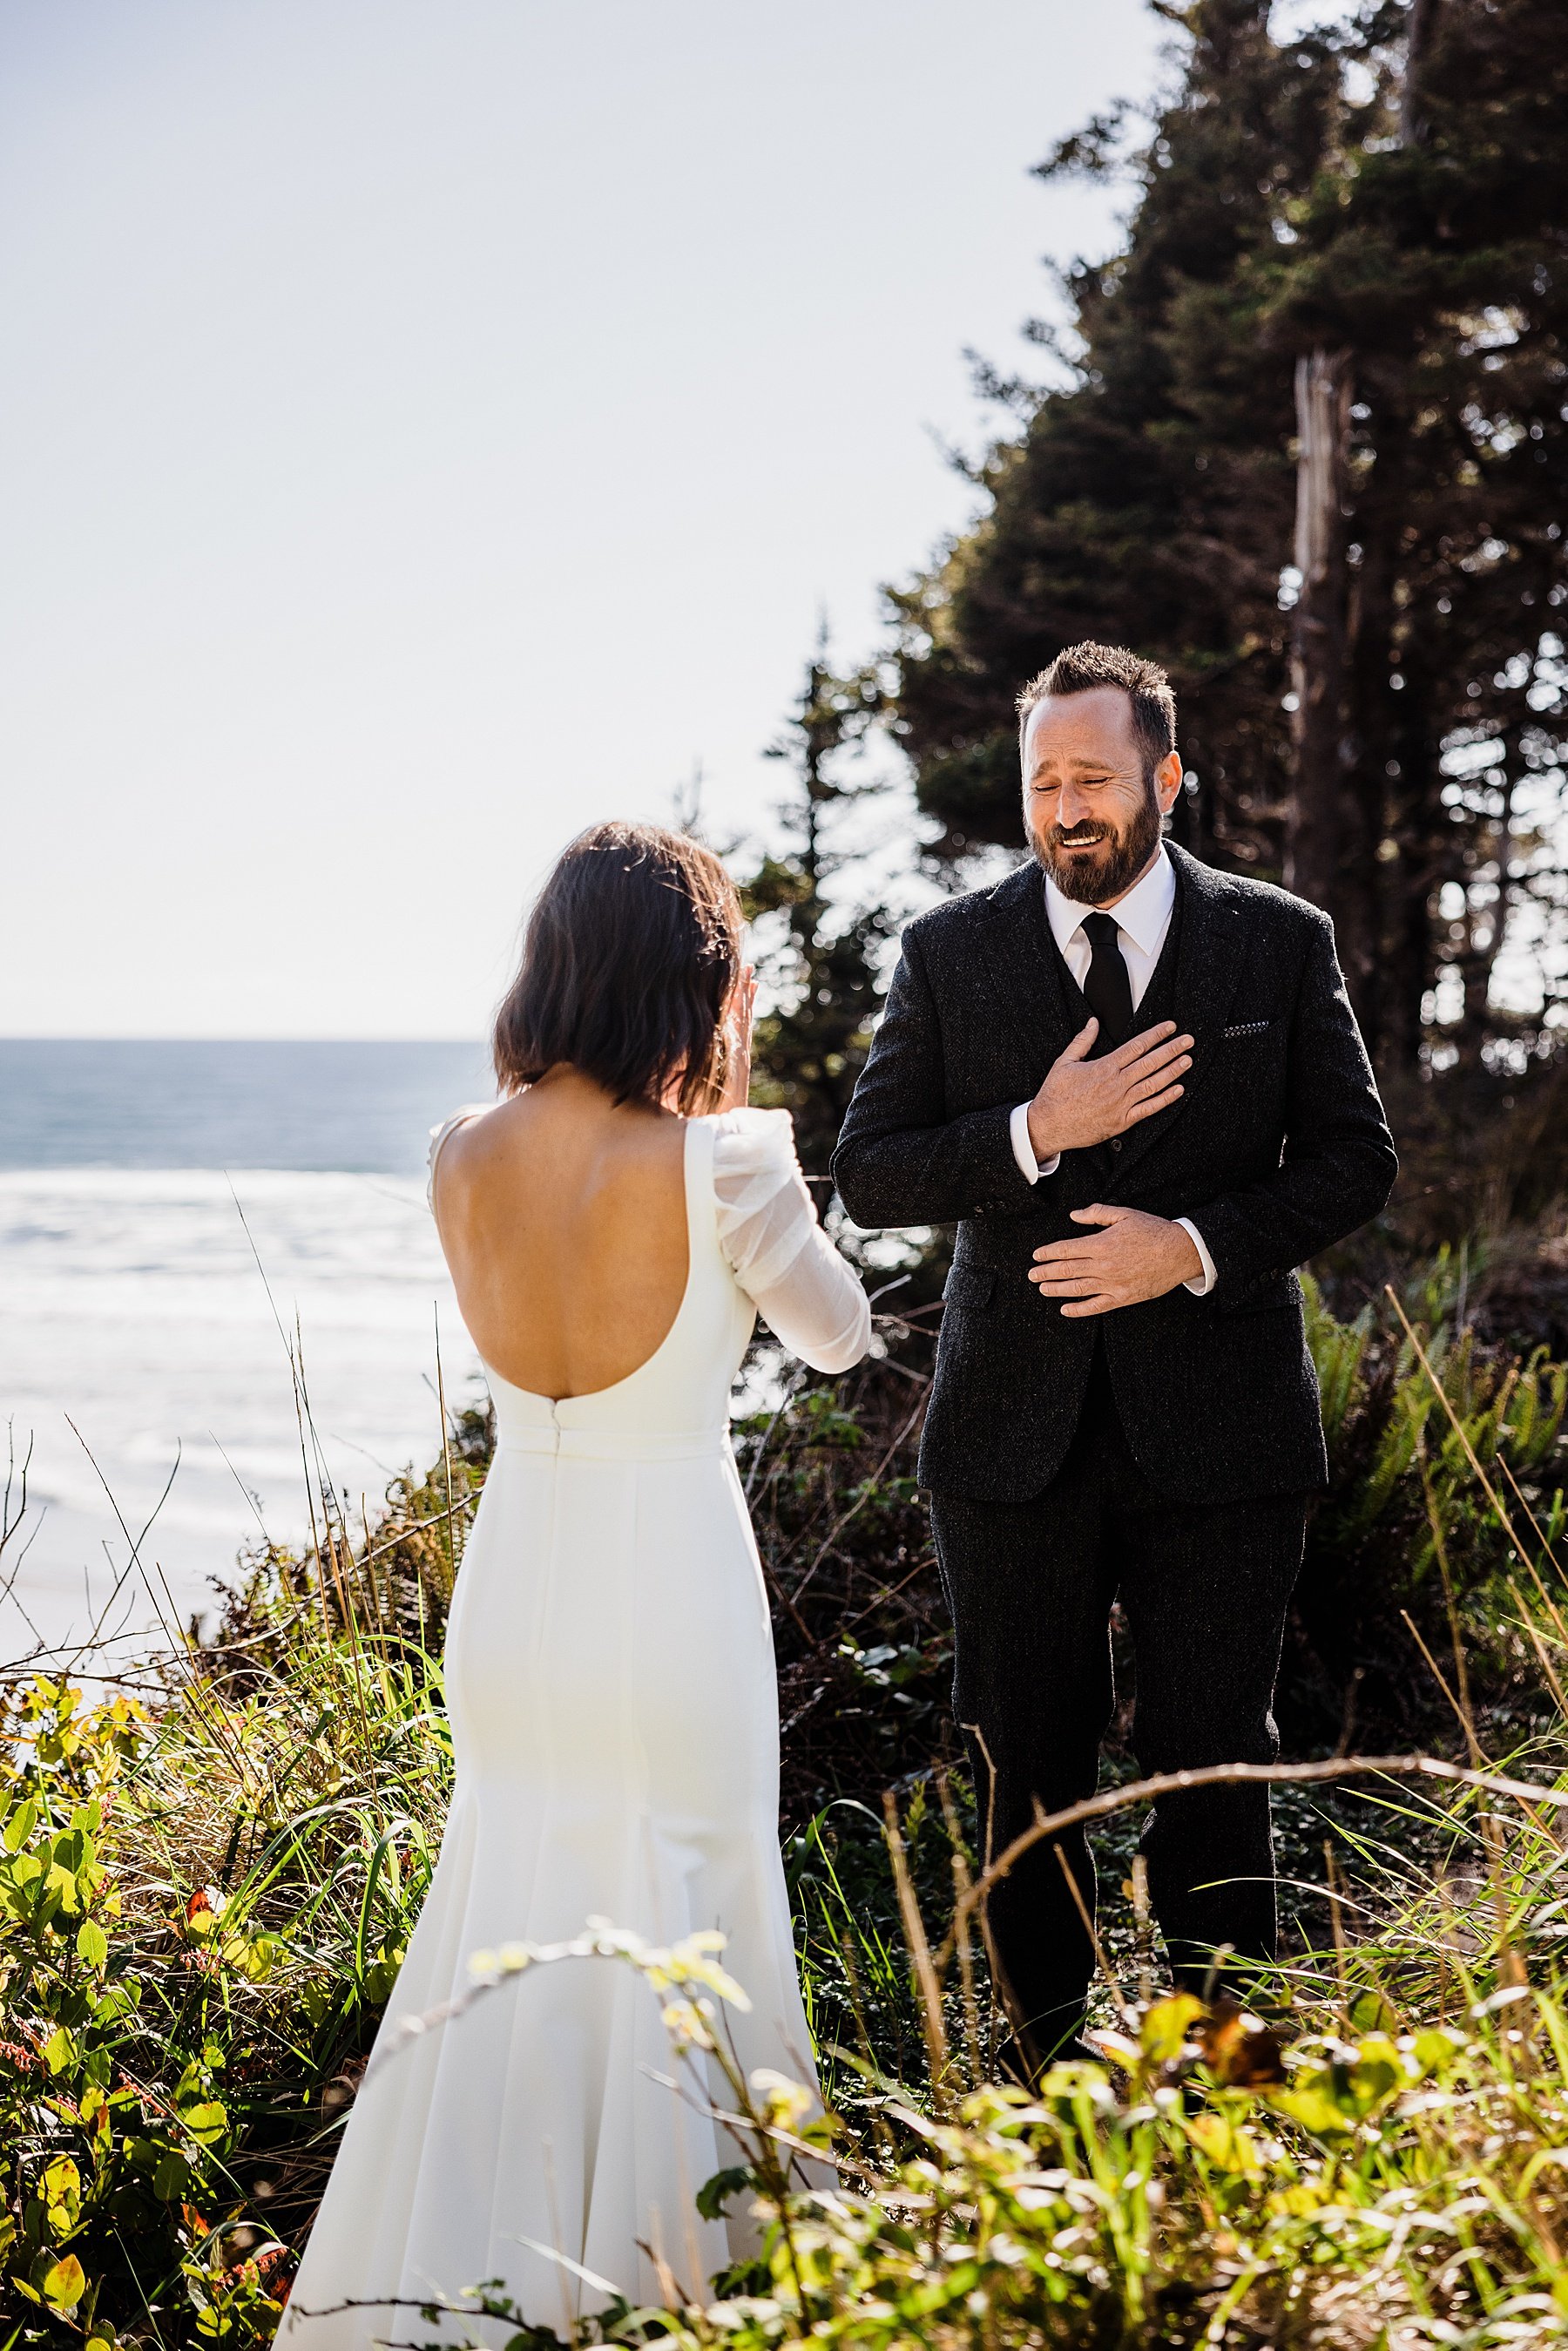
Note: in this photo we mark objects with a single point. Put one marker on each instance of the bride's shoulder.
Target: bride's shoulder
(462, 1117)
(441, 1134)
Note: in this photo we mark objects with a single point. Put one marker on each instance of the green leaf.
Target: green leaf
(1370, 2013)
(1437, 2048)
(20, 1826)
(173, 2178)
(1376, 2070)
(61, 1885)
(206, 2123)
(92, 1944)
(1316, 2108)
(715, 2193)
(1225, 2144)
(59, 2050)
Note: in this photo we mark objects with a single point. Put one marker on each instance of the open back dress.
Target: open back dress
(610, 1683)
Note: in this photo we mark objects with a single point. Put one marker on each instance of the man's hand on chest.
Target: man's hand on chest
(1083, 1102)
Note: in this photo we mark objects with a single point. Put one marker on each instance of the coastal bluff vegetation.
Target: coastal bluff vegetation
(1303, 438)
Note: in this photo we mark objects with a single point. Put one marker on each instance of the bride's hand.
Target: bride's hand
(738, 1021)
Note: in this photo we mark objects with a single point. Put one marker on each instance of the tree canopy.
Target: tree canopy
(1307, 445)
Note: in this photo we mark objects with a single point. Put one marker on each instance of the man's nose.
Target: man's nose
(1071, 807)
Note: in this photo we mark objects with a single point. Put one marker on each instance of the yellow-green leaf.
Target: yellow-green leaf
(1225, 2144)
(1376, 2070)
(1437, 2048)
(59, 2050)
(1370, 2013)
(206, 2122)
(61, 2188)
(20, 1826)
(62, 1883)
(253, 1955)
(92, 1943)
(64, 2282)
(1314, 2107)
(1164, 2030)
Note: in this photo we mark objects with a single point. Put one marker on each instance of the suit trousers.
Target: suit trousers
(1030, 1586)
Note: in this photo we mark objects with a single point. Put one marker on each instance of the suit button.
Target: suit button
(1115, 1143)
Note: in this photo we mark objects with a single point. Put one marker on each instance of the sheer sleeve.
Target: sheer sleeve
(809, 1297)
(439, 1135)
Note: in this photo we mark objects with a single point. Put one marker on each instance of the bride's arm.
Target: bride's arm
(810, 1299)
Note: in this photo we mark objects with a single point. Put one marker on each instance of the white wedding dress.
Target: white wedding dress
(610, 1677)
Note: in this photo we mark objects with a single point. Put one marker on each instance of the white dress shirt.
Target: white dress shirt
(1143, 924)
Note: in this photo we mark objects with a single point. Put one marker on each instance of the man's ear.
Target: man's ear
(1168, 781)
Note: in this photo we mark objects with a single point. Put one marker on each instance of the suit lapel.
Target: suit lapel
(1025, 970)
(1028, 979)
(1209, 964)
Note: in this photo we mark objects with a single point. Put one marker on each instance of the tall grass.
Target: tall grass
(207, 1884)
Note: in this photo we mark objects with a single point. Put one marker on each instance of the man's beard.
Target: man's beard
(1091, 881)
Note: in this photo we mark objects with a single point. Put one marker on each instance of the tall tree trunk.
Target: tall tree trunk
(1377, 872)
(1357, 747)
(1405, 864)
(1313, 833)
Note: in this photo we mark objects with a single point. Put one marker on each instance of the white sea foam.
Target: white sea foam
(131, 1301)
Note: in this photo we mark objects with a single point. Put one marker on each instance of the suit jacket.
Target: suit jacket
(1278, 1147)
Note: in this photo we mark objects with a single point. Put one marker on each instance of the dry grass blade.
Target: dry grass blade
(926, 1976)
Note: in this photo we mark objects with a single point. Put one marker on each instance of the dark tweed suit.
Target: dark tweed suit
(1164, 1452)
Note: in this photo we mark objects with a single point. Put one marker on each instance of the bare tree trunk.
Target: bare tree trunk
(1404, 852)
(1312, 843)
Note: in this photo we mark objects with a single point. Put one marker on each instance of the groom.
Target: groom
(1138, 1088)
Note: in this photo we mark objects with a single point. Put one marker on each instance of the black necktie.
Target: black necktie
(1107, 987)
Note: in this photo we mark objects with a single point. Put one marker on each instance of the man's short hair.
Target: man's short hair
(1083, 668)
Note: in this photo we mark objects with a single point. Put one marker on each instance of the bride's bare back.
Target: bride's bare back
(563, 1217)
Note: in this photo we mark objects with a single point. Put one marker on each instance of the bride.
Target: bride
(613, 1225)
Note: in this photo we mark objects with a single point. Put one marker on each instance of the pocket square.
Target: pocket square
(1246, 1028)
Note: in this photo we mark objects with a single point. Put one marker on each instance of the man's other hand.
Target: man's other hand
(1133, 1259)
(1082, 1102)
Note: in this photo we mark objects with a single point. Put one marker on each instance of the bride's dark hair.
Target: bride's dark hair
(630, 953)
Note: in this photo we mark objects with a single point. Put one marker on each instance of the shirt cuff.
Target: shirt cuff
(1033, 1168)
(1201, 1283)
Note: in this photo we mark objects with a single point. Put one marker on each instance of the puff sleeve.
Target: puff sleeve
(810, 1297)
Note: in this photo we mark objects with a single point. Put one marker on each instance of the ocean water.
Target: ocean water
(164, 1208)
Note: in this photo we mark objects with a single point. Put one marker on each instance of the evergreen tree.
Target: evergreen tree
(1429, 274)
(824, 970)
(1146, 501)
(1337, 334)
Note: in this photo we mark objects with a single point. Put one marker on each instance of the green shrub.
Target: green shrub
(205, 1893)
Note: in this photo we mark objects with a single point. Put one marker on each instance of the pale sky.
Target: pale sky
(429, 425)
